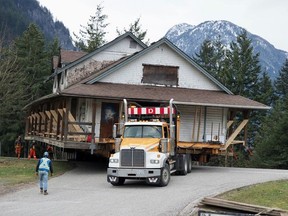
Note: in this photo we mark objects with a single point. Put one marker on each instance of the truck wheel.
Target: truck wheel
(165, 176)
(119, 182)
(189, 163)
(185, 166)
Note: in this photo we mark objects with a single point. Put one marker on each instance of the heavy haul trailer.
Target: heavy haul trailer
(149, 147)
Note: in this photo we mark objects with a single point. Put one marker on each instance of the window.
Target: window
(160, 74)
(143, 131)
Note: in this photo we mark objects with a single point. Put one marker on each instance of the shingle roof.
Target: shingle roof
(68, 56)
(162, 94)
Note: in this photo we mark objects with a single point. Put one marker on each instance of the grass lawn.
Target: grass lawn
(270, 194)
(14, 172)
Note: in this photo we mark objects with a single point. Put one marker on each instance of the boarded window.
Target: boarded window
(160, 75)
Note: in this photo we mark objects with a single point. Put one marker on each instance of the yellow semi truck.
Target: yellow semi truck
(147, 148)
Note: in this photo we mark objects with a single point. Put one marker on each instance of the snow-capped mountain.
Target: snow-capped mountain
(189, 39)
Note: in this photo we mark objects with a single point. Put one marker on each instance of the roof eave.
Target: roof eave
(223, 105)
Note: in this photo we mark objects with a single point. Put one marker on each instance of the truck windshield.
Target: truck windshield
(142, 131)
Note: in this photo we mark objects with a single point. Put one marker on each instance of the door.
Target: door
(109, 116)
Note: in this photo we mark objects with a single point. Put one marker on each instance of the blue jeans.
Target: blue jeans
(43, 180)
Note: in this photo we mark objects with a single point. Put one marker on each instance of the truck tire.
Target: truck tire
(119, 182)
(184, 162)
(189, 163)
(165, 176)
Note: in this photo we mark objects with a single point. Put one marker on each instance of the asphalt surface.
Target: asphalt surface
(85, 191)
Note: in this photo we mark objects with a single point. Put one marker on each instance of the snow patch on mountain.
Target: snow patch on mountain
(189, 39)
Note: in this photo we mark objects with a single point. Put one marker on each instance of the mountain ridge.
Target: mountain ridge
(16, 15)
(189, 39)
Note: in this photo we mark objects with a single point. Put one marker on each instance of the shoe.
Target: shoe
(41, 190)
(45, 193)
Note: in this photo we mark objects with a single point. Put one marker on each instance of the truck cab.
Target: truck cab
(141, 155)
(146, 148)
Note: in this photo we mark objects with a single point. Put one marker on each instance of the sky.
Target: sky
(265, 18)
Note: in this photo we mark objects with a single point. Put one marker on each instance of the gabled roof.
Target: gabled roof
(100, 49)
(143, 52)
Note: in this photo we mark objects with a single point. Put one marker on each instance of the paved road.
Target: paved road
(84, 191)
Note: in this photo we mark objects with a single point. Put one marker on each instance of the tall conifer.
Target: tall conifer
(92, 36)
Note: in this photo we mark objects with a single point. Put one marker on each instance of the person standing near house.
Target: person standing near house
(50, 151)
(43, 168)
(32, 151)
(18, 147)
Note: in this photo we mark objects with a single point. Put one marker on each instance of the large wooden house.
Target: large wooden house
(88, 94)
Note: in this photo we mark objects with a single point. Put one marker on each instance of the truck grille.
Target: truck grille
(132, 157)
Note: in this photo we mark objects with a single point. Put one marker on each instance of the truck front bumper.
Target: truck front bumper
(151, 175)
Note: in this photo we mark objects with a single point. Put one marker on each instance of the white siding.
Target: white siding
(123, 48)
(189, 125)
(216, 122)
(98, 61)
(189, 76)
(198, 124)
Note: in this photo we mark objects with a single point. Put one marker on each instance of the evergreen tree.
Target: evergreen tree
(35, 61)
(266, 91)
(265, 96)
(242, 68)
(54, 48)
(206, 57)
(12, 97)
(93, 35)
(23, 68)
(211, 57)
(271, 142)
(136, 29)
(271, 149)
(241, 72)
(281, 83)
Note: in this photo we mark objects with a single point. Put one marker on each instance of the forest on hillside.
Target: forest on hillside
(17, 15)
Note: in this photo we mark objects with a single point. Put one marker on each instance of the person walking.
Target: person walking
(43, 168)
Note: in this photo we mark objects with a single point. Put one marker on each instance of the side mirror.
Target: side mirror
(117, 144)
(164, 145)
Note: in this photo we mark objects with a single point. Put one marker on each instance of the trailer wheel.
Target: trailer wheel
(165, 176)
(185, 165)
(119, 182)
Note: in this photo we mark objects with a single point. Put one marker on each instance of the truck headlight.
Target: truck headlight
(112, 160)
(153, 161)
